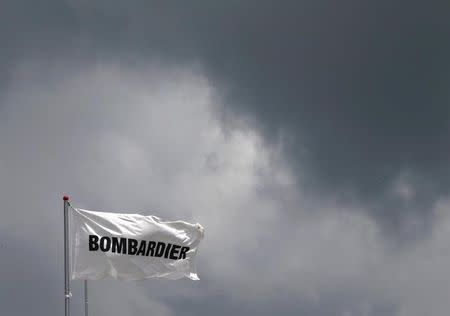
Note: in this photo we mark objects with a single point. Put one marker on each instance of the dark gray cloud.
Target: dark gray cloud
(353, 95)
(357, 91)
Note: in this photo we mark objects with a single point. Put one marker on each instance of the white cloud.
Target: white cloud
(149, 140)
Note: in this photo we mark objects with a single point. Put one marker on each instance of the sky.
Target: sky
(309, 138)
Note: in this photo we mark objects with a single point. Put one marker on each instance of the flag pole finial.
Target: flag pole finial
(65, 198)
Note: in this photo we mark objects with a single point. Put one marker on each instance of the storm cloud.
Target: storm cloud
(310, 139)
(356, 92)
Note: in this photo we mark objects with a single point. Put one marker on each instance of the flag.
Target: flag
(131, 246)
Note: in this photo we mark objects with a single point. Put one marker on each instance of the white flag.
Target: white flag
(132, 246)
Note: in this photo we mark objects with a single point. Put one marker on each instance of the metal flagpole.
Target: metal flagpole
(66, 257)
(86, 302)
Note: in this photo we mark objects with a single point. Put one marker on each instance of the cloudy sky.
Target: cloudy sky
(310, 138)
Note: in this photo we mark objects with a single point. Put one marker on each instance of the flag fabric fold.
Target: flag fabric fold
(132, 246)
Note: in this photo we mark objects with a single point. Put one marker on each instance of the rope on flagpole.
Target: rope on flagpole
(86, 301)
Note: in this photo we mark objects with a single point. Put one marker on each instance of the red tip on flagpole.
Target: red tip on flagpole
(66, 198)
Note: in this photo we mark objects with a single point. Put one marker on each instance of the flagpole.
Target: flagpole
(86, 302)
(66, 257)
